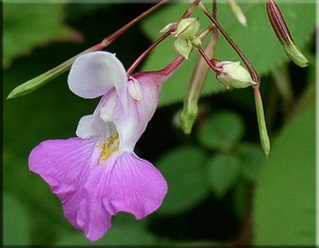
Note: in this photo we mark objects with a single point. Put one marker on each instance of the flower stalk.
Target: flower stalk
(37, 82)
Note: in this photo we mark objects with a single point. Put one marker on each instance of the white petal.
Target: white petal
(89, 126)
(134, 88)
(107, 111)
(94, 74)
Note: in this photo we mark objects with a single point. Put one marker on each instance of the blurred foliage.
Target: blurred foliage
(28, 25)
(212, 173)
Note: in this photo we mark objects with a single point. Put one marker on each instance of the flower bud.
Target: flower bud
(188, 115)
(232, 74)
(295, 54)
(282, 32)
(187, 28)
(196, 41)
(190, 107)
(183, 47)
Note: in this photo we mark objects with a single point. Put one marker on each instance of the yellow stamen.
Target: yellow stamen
(108, 148)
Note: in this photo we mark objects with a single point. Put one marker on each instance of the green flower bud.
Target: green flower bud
(295, 54)
(283, 34)
(232, 74)
(183, 47)
(187, 28)
(196, 42)
(188, 116)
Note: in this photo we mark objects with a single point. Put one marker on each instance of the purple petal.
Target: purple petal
(132, 185)
(61, 163)
(65, 166)
(90, 192)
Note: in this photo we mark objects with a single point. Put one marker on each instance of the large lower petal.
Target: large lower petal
(91, 192)
(61, 163)
(131, 185)
(65, 165)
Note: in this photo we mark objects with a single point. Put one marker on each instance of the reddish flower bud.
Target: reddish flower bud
(282, 32)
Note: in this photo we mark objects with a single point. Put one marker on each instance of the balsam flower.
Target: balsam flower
(97, 174)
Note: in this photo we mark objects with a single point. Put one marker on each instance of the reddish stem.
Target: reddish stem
(211, 65)
(186, 14)
(146, 52)
(109, 39)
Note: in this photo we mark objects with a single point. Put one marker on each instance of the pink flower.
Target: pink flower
(97, 174)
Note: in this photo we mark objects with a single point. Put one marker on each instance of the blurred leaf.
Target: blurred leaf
(257, 41)
(27, 25)
(183, 169)
(126, 230)
(16, 222)
(221, 130)
(285, 197)
(252, 160)
(223, 171)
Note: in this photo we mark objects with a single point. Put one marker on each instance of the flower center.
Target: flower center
(109, 147)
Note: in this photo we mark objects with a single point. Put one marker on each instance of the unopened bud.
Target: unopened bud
(295, 54)
(196, 42)
(188, 116)
(282, 32)
(183, 47)
(187, 28)
(232, 74)
(190, 108)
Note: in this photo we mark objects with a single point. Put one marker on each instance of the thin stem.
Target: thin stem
(211, 65)
(250, 68)
(186, 14)
(146, 52)
(109, 39)
(190, 8)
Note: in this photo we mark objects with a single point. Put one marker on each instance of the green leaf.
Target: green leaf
(257, 41)
(16, 222)
(27, 25)
(223, 172)
(183, 168)
(221, 130)
(285, 204)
